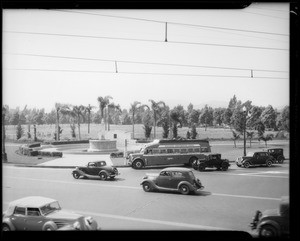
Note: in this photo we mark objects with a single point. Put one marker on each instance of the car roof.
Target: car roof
(178, 169)
(32, 201)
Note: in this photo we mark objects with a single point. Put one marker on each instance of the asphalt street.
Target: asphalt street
(228, 201)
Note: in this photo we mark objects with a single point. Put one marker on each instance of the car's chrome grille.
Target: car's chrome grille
(60, 224)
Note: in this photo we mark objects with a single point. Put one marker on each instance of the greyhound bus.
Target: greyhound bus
(169, 152)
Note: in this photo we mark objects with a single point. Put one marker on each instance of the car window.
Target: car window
(33, 212)
(51, 207)
(165, 173)
(177, 174)
(19, 211)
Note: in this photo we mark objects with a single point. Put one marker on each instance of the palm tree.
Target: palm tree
(59, 108)
(88, 110)
(235, 137)
(112, 106)
(175, 117)
(156, 108)
(103, 102)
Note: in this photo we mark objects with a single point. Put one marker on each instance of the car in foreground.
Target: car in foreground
(261, 158)
(178, 179)
(277, 153)
(96, 169)
(273, 223)
(211, 160)
(36, 213)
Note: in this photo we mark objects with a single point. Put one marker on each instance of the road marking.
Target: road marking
(136, 188)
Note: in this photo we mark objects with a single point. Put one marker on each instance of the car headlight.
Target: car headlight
(76, 225)
(88, 220)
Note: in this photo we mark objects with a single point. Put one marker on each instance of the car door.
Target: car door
(35, 220)
(164, 179)
(18, 218)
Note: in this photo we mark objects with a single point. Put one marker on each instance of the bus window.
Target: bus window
(190, 150)
(182, 150)
(169, 150)
(203, 149)
(155, 151)
(197, 150)
(163, 151)
(176, 150)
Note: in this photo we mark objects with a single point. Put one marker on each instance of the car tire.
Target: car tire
(224, 166)
(76, 175)
(184, 189)
(103, 175)
(280, 159)
(201, 167)
(194, 164)
(268, 231)
(50, 227)
(138, 164)
(269, 163)
(246, 164)
(147, 187)
(5, 227)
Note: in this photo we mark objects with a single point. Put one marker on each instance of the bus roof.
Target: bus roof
(195, 141)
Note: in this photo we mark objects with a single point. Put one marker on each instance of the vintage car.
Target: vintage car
(96, 168)
(277, 153)
(211, 160)
(273, 222)
(261, 158)
(36, 213)
(179, 179)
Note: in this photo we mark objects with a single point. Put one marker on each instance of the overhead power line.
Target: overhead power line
(144, 73)
(142, 62)
(143, 40)
(175, 23)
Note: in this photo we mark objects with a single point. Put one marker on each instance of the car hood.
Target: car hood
(270, 212)
(64, 215)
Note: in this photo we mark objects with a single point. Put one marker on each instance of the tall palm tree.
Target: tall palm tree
(112, 106)
(78, 113)
(59, 108)
(132, 110)
(88, 110)
(103, 102)
(156, 108)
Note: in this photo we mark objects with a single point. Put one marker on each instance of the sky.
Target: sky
(74, 56)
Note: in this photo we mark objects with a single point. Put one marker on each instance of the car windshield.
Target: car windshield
(50, 207)
(250, 153)
(191, 174)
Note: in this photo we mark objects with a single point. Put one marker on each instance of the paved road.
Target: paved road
(227, 202)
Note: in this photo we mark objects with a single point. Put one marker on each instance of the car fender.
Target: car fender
(79, 171)
(187, 183)
(104, 172)
(151, 182)
(269, 222)
(50, 224)
(9, 223)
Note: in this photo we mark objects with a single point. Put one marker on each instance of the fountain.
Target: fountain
(102, 145)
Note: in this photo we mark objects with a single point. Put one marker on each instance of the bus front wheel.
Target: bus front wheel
(138, 164)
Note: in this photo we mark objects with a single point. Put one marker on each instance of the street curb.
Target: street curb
(37, 166)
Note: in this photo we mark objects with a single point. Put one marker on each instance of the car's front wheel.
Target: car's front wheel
(103, 175)
(224, 166)
(138, 164)
(246, 164)
(184, 189)
(280, 159)
(202, 167)
(147, 187)
(76, 175)
(5, 227)
(268, 231)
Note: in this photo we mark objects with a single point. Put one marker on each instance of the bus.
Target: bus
(169, 152)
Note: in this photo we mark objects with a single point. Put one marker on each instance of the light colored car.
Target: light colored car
(178, 179)
(36, 213)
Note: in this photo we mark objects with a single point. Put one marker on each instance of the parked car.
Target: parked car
(172, 179)
(97, 168)
(273, 222)
(211, 160)
(261, 158)
(277, 153)
(36, 213)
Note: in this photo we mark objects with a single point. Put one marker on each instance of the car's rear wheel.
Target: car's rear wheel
(224, 166)
(138, 164)
(269, 163)
(147, 187)
(267, 231)
(280, 159)
(5, 227)
(246, 164)
(76, 175)
(201, 167)
(184, 189)
(103, 175)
